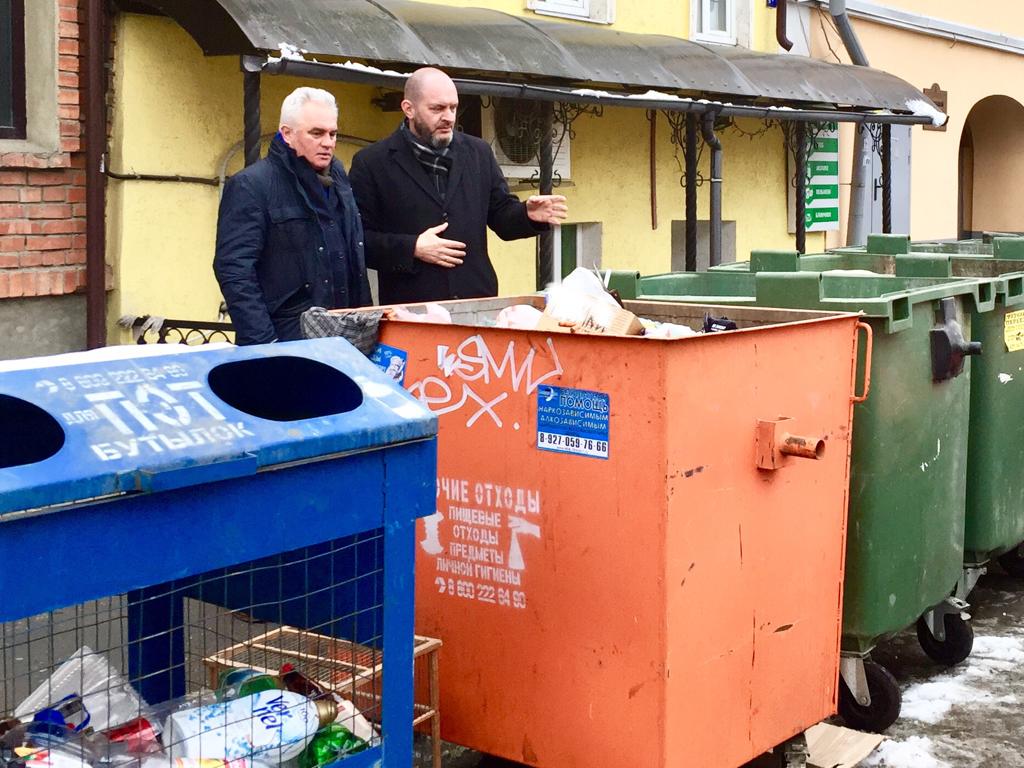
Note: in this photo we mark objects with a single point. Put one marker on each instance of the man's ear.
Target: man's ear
(407, 108)
(286, 133)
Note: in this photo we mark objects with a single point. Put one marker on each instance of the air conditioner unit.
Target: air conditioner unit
(512, 128)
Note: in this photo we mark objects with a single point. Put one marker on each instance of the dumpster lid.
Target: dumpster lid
(76, 428)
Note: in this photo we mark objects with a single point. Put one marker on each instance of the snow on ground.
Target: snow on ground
(915, 752)
(968, 716)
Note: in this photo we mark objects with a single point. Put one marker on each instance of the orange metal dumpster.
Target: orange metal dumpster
(625, 565)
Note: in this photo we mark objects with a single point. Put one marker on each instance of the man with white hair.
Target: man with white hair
(289, 236)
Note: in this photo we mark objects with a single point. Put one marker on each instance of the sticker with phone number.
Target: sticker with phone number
(573, 421)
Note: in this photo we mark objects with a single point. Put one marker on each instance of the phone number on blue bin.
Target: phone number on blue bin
(585, 446)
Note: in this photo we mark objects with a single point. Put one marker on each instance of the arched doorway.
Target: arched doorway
(991, 173)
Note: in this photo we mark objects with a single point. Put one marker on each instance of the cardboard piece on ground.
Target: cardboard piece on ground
(600, 318)
(831, 746)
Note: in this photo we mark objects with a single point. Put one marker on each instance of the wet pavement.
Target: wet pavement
(969, 716)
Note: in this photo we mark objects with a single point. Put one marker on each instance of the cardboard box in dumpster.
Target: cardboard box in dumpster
(599, 318)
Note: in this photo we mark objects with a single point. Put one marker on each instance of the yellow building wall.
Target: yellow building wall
(969, 74)
(178, 112)
(1000, 16)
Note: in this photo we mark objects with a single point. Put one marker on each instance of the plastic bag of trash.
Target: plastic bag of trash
(581, 304)
(668, 331)
(520, 316)
(106, 695)
(433, 313)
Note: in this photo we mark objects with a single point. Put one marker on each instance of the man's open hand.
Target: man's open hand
(433, 249)
(547, 209)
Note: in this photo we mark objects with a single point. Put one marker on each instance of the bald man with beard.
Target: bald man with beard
(427, 194)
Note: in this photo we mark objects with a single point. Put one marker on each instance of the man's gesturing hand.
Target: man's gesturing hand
(547, 209)
(436, 250)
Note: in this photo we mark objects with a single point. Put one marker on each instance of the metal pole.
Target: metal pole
(859, 214)
(691, 192)
(887, 179)
(652, 115)
(251, 100)
(546, 156)
(95, 187)
(801, 187)
(715, 225)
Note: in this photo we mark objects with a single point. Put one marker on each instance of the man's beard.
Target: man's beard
(424, 134)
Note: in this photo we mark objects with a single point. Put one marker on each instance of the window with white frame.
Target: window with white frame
(598, 11)
(714, 21)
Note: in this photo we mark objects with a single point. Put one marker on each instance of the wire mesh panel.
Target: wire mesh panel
(270, 661)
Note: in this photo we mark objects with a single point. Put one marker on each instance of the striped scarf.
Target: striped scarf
(435, 162)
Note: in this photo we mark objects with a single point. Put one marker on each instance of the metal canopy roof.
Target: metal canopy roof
(486, 46)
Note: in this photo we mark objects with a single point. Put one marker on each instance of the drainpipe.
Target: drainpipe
(781, 21)
(715, 225)
(691, 191)
(859, 217)
(95, 184)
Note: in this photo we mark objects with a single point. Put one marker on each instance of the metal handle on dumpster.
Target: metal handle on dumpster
(772, 442)
(868, 347)
(949, 345)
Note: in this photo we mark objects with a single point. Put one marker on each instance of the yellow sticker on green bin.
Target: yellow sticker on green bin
(1013, 331)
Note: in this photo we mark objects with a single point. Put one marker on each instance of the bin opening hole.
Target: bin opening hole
(901, 309)
(285, 388)
(819, 449)
(27, 433)
(985, 292)
(1015, 286)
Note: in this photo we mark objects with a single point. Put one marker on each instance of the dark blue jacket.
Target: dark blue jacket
(271, 261)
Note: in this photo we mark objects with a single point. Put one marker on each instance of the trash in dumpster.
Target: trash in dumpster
(580, 304)
(256, 717)
(718, 324)
(271, 723)
(102, 691)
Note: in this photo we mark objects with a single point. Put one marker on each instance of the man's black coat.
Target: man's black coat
(270, 248)
(398, 202)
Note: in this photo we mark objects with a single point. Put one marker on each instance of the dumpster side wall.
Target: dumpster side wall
(542, 570)
(995, 489)
(907, 489)
(755, 558)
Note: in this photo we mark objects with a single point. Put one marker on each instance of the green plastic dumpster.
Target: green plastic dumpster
(994, 516)
(994, 524)
(908, 462)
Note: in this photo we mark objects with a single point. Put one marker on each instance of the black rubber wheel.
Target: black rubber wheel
(957, 645)
(885, 701)
(1013, 561)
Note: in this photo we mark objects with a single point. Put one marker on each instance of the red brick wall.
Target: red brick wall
(42, 196)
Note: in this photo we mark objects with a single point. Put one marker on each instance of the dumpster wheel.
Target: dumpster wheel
(955, 647)
(885, 704)
(1013, 561)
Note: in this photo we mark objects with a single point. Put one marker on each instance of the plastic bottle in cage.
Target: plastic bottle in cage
(243, 682)
(331, 743)
(273, 724)
(160, 761)
(48, 757)
(297, 682)
(348, 715)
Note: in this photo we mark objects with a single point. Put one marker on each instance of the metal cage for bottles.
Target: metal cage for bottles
(126, 569)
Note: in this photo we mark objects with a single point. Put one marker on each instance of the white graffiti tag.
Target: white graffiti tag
(472, 361)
